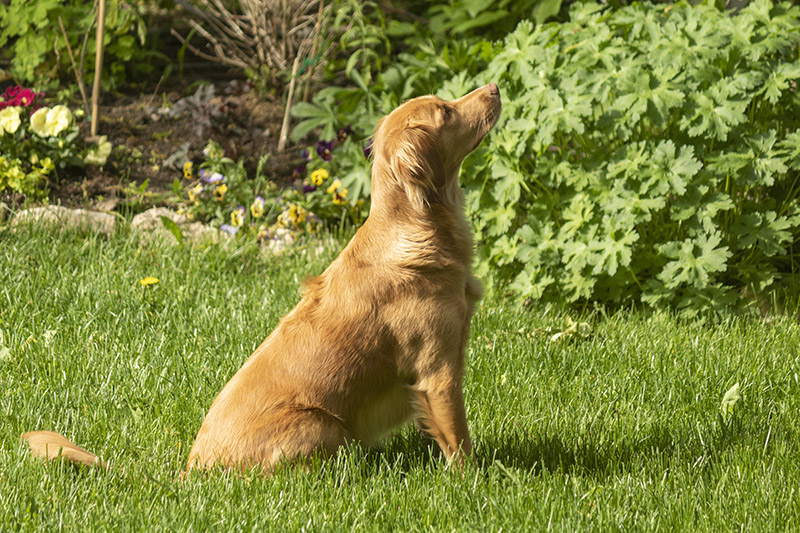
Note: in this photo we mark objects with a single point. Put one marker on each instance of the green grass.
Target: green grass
(617, 431)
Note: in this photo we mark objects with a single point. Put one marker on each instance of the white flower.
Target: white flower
(98, 154)
(48, 122)
(9, 119)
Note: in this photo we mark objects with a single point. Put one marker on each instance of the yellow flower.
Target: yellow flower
(38, 120)
(334, 186)
(237, 217)
(149, 280)
(257, 207)
(318, 176)
(9, 120)
(46, 122)
(220, 191)
(340, 196)
(187, 170)
(98, 154)
(195, 192)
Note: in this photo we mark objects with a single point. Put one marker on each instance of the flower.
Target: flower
(342, 133)
(367, 149)
(324, 149)
(309, 188)
(98, 154)
(9, 120)
(215, 177)
(149, 280)
(220, 191)
(257, 207)
(299, 171)
(230, 230)
(263, 233)
(318, 176)
(340, 196)
(19, 97)
(213, 150)
(46, 122)
(187, 170)
(334, 186)
(305, 155)
(195, 192)
(237, 216)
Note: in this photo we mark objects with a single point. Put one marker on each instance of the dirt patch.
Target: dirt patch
(152, 141)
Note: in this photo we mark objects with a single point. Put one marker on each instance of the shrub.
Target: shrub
(31, 36)
(649, 153)
(644, 154)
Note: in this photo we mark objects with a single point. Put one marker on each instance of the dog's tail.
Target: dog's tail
(50, 445)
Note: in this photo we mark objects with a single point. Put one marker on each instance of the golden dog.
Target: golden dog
(380, 336)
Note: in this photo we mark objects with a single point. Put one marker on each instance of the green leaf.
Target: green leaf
(729, 400)
(173, 228)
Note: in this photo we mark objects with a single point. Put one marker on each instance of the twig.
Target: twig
(78, 73)
(98, 65)
(285, 126)
(313, 65)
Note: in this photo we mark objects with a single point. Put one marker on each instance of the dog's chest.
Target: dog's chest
(382, 413)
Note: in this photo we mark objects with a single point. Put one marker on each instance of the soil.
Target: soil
(151, 144)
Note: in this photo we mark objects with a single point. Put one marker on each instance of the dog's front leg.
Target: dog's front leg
(439, 405)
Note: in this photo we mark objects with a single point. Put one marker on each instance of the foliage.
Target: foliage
(647, 153)
(31, 35)
(221, 192)
(37, 141)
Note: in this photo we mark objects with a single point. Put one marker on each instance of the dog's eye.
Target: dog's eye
(445, 112)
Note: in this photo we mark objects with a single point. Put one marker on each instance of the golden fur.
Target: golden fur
(379, 337)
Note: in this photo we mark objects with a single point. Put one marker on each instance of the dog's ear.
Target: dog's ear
(415, 161)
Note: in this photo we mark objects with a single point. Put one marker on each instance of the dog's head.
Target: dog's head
(419, 147)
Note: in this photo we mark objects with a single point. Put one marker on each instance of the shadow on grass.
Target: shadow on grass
(592, 455)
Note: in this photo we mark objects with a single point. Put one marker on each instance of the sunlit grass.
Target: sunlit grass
(619, 430)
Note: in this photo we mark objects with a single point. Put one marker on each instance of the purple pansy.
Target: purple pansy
(343, 133)
(227, 228)
(215, 177)
(324, 149)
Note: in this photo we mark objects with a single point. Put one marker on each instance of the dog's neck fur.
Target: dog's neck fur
(435, 231)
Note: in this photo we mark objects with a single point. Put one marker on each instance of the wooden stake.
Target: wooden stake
(98, 65)
(285, 126)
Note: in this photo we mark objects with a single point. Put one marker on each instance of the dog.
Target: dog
(380, 336)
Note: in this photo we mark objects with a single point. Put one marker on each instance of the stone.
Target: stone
(67, 218)
(149, 223)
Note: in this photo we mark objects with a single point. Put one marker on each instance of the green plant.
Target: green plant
(221, 192)
(31, 36)
(37, 141)
(646, 154)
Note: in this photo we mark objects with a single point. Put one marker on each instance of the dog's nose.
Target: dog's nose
(493, 89)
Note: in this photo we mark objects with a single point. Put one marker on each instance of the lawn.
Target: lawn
(618, 430)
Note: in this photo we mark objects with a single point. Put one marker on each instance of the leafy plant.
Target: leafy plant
(31, 35)
(645, 154)
(36, 141)
(221, 192)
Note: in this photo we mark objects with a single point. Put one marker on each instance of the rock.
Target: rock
(149, 222)
(67, 218)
